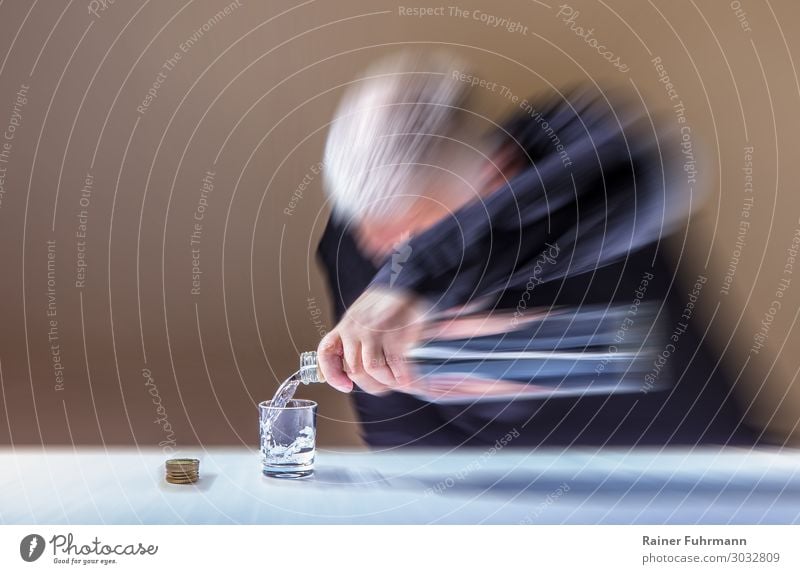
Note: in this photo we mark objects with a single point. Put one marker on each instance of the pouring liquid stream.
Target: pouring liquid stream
(282, 397)
(306, 374)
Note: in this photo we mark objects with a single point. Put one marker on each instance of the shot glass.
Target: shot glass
(288, 438)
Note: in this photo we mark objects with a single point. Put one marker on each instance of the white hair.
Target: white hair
(388, 124)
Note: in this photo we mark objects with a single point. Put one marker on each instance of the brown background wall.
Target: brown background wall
(250, 101)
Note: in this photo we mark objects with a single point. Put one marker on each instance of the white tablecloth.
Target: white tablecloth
(127, 486)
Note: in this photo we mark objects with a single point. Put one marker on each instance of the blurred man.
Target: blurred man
(431, 216)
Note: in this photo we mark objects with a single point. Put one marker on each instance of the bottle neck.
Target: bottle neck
(309, 371)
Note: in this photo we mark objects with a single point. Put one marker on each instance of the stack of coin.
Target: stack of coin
(183, 470)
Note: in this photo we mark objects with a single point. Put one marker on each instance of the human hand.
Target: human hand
(368, 345)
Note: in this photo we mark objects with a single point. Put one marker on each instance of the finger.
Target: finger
(351, 353)
(355, 368)
(375, 363)
(394, 352)
(367, 384)
(329, 360)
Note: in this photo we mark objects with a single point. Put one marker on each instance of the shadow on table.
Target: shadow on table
(513, 483)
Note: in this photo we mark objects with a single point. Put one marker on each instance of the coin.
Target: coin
(182, 470)
(181, 481)
(182, 478)
(181, 465)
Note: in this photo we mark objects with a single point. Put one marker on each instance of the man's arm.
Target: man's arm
(488, 245)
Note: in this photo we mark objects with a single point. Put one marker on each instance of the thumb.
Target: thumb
(329, 357)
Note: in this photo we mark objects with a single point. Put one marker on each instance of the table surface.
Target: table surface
(464, 486)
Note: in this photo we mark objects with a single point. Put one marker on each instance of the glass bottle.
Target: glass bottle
(309, 370)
